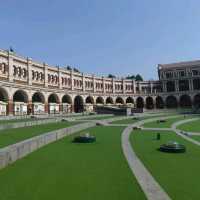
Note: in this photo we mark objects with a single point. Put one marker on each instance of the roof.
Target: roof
(179, 64)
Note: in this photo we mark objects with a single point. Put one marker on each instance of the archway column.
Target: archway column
(29, 108)
(10, 107)
(60, 107)
(46, 107)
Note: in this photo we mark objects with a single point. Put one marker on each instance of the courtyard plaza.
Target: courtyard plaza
(113, 167)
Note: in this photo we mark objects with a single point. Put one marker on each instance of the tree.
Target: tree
(130, 77)
(138, 77)
(76, 70)
(69, 68)
(111, 76)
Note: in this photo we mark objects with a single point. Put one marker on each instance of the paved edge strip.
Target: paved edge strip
(149, 185)
(180, 132)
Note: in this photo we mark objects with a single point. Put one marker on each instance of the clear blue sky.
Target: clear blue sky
(103, 36)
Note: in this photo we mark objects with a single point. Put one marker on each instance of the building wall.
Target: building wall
(21, 78)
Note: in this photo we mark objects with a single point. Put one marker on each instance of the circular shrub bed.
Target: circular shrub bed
(172, 147)
(84, 139)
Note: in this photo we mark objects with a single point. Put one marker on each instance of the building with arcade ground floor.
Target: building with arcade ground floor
(31, 87)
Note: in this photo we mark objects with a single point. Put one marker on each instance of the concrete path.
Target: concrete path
(140, 123)
(180, 132)
(151, 188)
(156, 129)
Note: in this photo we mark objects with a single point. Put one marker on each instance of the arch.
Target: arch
(159, 102)
(78, 104)
(171, 102)
(66, 99)
(130, 100)
(53, 98)
(119, 100)
(89, 100)
(99, 100)
(149, 103)
(3, 95)
(185, 101)
(197, 101)
(38, 97)
(109, 100)
(20, 96)
(139, 102)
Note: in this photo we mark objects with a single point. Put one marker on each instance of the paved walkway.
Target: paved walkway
(180, 132)
(156, 129)
(149, 185)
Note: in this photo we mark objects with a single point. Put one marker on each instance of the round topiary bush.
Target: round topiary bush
(84, 139)
(172, 147)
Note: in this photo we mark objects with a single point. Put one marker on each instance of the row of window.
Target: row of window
(183, 85)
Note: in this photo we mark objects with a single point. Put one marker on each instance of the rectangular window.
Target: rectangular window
(195, 72)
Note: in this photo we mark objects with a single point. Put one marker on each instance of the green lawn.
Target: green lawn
(193, 126)
(64, 170)
(126, 121)
(17, 120)
(133, 120)
(167, 124)
(196, 137)
(99, 117)
(12, 136)
(178, 174)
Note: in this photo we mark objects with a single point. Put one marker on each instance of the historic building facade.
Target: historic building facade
(30, 87)
(180, 84)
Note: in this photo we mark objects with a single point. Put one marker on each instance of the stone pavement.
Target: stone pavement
(180, 133)
(149, 185)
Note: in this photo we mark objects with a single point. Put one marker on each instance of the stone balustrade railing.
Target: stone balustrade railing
(11, 153)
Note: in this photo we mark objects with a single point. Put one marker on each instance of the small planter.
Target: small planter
(172, 147)
(84, 139)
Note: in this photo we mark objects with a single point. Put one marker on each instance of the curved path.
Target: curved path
(149, 185)
(180, 132)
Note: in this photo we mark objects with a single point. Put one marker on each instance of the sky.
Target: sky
(101, 37)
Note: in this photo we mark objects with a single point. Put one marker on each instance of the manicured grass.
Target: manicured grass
(17, 120)
(178, 174)
(64, 170)
(196, 137)
(99, 117)
(167, 124)
(125, 121)
(12, 136)
(193, 126)
(133, 120)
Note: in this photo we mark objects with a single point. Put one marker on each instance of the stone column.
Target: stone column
(10, 107)
(113, 85)
(72, 80)
(60, 106)
(45, 75)
(140, 87)
(29, 107)
(104, 89)
(124, 86)
(164, 86)
(46, 107)
(151, 86)
(83, 82)
(191, 85)
(59, 78)
(29, 71)
(176, 86)
(94, 83)
(10, 66)
(134, 87)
